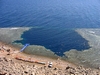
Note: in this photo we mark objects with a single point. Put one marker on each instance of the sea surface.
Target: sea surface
(52, 21)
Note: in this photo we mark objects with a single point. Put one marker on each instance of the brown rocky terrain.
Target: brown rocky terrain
(9, 65)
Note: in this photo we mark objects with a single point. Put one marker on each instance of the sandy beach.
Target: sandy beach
(37, 65)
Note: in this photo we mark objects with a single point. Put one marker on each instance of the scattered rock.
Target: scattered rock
(55, 68)
(8, 50)
(25, 72)
(5, 59)
(8, 54)
(67, 67)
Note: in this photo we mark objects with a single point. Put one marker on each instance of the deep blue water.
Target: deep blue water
(54, 19)
(57, 40)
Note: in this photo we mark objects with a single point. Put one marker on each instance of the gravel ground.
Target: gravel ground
(11, 66)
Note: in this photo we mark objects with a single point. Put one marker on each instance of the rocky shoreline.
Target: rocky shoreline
(11, 66)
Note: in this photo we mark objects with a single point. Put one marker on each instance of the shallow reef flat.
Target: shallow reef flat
(10, 35)
(89, 57)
